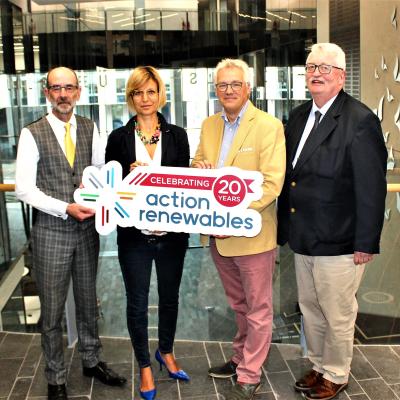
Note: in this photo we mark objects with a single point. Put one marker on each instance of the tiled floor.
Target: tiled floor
(375, 372)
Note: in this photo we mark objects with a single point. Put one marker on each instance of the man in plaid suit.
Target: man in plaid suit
(52, 154)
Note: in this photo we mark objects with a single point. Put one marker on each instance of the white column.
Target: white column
(322, 21)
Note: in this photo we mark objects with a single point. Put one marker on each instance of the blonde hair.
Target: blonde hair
(332, 49)
(233, 63)
(139, 77)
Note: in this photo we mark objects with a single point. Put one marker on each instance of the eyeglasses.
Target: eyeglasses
(223, 86)
(322, 68)
(68, 88)
(140, 93)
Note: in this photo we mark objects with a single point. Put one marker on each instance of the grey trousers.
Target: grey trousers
(58, 256)
(327, 289)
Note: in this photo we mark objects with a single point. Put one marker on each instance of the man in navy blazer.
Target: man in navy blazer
(331, 213)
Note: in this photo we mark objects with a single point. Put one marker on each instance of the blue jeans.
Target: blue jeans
(136, 261)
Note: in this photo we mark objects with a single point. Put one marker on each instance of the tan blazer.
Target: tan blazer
(259, 145)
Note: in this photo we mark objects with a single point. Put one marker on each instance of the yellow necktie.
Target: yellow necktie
(69, 145)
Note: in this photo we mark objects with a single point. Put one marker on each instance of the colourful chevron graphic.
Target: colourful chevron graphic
(102, 191)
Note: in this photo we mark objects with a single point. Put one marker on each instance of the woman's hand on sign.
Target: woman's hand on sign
(136, 164)
(221, 236)
(205, 164)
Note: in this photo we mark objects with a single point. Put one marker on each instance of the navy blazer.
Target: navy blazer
(333, 201)
(174, 153)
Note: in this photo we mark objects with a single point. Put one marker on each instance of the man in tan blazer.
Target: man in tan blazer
(248, 138)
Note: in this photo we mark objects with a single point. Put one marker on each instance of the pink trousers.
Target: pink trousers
(247, 282)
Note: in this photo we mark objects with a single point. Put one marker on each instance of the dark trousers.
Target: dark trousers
(136, 261)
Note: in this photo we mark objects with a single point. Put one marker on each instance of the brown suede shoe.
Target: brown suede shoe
(308, 381)
(325, 390)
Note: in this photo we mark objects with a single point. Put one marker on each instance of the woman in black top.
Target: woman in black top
(148, 139)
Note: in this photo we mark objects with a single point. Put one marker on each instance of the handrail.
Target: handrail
(393, 187)
(9, 187)
(26, 209)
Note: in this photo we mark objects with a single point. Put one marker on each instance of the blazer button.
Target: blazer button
(292, 210)
(293, 184)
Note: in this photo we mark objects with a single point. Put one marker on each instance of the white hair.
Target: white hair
(233, 63)
(333, 49)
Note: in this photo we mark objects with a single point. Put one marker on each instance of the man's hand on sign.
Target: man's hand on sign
(221, 236)
(205, 164)
(136, 164)
(79, 212)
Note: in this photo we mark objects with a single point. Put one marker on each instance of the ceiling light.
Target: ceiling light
(167, 16)
(92, 21)
(94, 16)
(123, 20)
(142, 16)
(298, 14)
(69, 18)
(143, 22)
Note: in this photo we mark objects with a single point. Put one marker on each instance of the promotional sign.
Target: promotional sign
(208, 201)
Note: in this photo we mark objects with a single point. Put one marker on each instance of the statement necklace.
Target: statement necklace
(154, 138)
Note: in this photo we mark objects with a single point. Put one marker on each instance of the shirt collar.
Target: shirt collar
(324, 109)
(240, 115)
(57, 122)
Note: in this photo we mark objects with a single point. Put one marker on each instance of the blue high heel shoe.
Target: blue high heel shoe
(181, 374)
(148, 394)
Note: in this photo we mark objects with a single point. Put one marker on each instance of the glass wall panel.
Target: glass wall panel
(127, 20)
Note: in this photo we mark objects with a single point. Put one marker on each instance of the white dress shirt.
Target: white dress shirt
(310, 123)
(142, 155)
(28, 157)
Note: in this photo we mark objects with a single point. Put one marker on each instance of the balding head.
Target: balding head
(60, 70)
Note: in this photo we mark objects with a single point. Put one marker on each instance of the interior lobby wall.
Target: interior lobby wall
(379, 298)
(380, 69)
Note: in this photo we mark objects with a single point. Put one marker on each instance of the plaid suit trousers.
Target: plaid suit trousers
(58, 256)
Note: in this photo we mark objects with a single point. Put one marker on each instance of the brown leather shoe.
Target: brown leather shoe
(308, 381)
(325, 390)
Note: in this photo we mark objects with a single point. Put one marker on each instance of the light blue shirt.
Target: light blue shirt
(230, 130)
